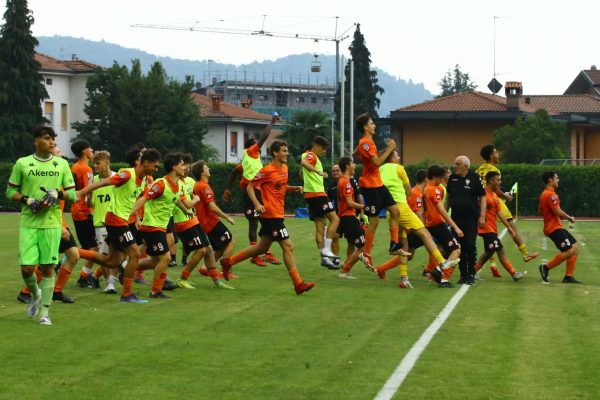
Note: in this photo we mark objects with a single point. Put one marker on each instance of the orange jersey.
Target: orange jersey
(549, 200)
(491, 213)
(272, 182)
(345, 190)
(415, 200)
(208, 219)
(433, 195)
(370, 177)
(83, 175)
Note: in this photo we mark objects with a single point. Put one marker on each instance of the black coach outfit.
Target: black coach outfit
(464, 193)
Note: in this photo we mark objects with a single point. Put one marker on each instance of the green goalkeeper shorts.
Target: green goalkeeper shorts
(39, 246)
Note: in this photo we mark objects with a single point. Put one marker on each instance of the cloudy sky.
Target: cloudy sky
(544, 44)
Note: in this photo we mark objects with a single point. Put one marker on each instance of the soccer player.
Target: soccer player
(99, 201)
(80, 212)
(376, 196)
(438, 223)
(394, 177)
(491, 156)
(34, 182)
(349, 226)
(249, 167)
(221, 239)
(489, 232)
(549, 206)
(128, 185)
(272, 181)
(319, 206)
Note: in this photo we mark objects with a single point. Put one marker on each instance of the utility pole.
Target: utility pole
(342, 107)
(351, 114)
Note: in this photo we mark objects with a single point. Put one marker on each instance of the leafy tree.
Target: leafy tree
(21, 88)
(126, 107)
(366, 88)
(302, 129)
(456, 81)
(529, 140)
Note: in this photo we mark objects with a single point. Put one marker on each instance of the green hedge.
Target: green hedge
(578, 191)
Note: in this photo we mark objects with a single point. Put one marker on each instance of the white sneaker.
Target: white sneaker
(45, 320)
(519, 275)
(325, 252)
(34, 304)
(346, 275)
(450, 263)
(405, 284)
(110, 288)
(366, 259)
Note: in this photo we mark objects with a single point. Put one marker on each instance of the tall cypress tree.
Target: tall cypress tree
(21, 88)
(366, 88)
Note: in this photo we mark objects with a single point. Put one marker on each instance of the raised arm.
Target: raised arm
(265, 134)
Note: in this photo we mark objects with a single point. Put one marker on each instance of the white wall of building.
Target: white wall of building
(220, 136)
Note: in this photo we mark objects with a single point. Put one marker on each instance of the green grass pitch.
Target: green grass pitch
(342, 340)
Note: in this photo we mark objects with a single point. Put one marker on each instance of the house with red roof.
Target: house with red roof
(460, 124)
(65, 82)
(229, 126)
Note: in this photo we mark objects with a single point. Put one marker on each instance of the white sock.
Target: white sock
(86, 270)
(328, 244)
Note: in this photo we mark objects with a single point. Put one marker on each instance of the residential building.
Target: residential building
(229, 126)
(65, 82)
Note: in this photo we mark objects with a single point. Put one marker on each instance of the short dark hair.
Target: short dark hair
(276, 146)
(491, 175)
(78, 146)
(150, 155)
(421, 175)
(547, 175)
(321, 141)
(435, 171)
(171, 160)
(41, 130)
(344, 163)
(196, 169)
(187, 158)
(250, 142)
(389, 157)
(132, 156)
(486, 151)
(361, 121)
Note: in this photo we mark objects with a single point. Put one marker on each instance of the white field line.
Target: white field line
(393, 383)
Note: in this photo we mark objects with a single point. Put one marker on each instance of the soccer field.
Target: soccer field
(342, 340)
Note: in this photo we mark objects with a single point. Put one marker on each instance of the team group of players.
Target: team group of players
(127, 222)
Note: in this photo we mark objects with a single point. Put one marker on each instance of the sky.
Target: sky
(543, 44)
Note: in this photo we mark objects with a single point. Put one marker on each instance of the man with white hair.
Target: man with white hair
(466, 198)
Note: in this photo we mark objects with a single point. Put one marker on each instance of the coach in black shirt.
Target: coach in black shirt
(466, 198)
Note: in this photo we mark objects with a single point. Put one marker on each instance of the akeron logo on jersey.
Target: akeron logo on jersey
(35, 172)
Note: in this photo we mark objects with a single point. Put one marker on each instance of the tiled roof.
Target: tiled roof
(567, 103)
(71, 66)
(471, 101)
(594, 75)
(228, 110)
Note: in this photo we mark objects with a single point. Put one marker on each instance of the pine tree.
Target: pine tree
(366, 88)
(21, 88)
(456, 81)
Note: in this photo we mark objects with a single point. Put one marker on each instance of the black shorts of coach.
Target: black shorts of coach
(443, 236)
(350, 229)
(220, 236)
(249, 210)
(274, 229)
(319, 207)
(563, 240)
(86, 234)
(376, 199)
(491, 242)
(193, 239)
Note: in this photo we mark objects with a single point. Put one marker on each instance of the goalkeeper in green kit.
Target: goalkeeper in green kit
(35, 182)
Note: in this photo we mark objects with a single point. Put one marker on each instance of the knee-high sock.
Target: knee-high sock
(393, 262)
(571, 261)
(369, 239)
(239, 257)
(32, 285)
(158, 283)
(556, 260)
(508, 267)
(127, 286)
(403, 271)
(523, 249)
(47, 289)
(437, 256)
(293, 272)
(394, 233)
(63, 276)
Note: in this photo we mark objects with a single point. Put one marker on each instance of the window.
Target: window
(48, 81)
(233, 143)
(63, 117)
(49, 112)
(300, 99)
(263, 97)
(313, 100)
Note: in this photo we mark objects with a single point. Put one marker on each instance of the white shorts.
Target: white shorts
(101, 239)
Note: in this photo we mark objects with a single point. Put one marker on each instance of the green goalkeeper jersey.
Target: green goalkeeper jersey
(28, 176)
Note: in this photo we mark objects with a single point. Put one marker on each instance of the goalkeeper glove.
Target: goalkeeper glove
(51, 197)
(33, 205)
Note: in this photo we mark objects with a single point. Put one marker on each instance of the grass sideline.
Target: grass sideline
(342, 340)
